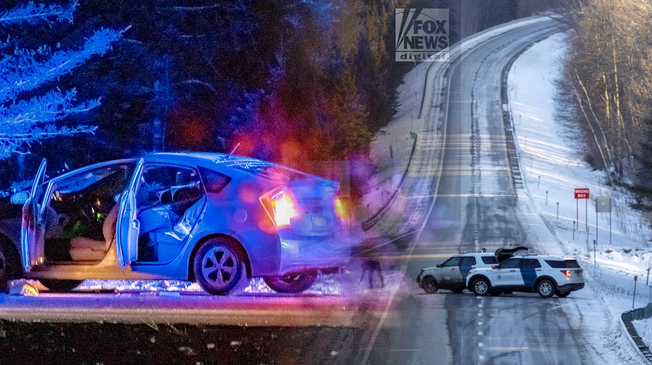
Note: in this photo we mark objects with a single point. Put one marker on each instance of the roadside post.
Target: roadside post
(584, 194)
(595, 263)
(391, 156)
(602, 205)
(557, 210)
(647, 281)
(634, 299)
(546, 198)
(573, 230)
(538, 182)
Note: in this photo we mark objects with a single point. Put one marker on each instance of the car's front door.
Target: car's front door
(128, 227)
(449, 272)
(33, 227)
(508, 274)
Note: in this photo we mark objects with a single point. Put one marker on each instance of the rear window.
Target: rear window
(489, 260)
(213, 181)
(563, 264)
(530, 264)
(467, 261)
(269, 171)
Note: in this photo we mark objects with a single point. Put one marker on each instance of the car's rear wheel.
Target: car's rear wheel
(429, 285)
(545, 288)
(9, 267)
(457, 291)
(290, 283)
(480, 286)
(563, 294)
(60, 286)
(219, 266)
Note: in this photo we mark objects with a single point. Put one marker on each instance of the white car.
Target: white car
(452, 273)
(545, 275)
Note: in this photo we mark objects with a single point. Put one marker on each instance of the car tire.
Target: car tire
(9, 267)
(219, 266)
(563, 294)
(429, 285)
(480, 286)
(60, 286)
(457, 291)
(545, 288)
(291, 283)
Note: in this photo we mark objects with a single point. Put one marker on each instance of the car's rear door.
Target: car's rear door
(128, 227)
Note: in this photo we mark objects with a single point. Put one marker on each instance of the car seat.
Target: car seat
(88, 249)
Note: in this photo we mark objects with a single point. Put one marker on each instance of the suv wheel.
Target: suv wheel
(430, 285)
(480, 286)
(545, 288)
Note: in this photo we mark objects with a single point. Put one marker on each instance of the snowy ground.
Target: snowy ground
(550, 156)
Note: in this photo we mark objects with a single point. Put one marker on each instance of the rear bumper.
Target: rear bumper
(326, 254)
(571, 287)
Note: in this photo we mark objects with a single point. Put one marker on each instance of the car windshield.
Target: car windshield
(326, 181)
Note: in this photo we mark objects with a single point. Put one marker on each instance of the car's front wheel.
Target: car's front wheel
(219, 266)
(430, 285)
(545, 288)
(9, 267)
(60, 286)
(480, 286)
(290, 283)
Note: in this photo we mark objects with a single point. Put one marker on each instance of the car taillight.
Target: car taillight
(567, 273)
(279, 206)
(339, 207)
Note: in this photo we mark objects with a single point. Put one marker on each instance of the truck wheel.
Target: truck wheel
(219, 266)
(291, 283)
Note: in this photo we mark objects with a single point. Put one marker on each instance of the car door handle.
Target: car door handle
(452, 269)
(537, 269)
(512, 270)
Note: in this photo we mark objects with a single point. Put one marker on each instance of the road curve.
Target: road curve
(476, 207)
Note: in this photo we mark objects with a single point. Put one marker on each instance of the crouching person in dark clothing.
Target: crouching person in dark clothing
(372, 266)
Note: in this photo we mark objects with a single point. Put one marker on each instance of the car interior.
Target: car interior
(169, 201)
(82, 213)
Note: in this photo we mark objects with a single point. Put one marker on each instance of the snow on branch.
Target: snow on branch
(23, 72)
(31, 13)
(49, 108)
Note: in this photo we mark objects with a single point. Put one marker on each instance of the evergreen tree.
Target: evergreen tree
(27, 112)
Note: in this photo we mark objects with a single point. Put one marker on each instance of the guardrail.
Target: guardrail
(626, 322)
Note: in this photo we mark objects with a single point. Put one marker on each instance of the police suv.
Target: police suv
(545, 275)
(452, 273)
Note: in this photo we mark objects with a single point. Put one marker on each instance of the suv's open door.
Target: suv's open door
(504, 253)
(128, 227)
(33, 227)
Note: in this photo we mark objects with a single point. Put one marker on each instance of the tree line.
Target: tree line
(608, 79)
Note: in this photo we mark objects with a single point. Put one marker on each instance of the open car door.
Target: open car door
(33, 224)
(504, 253)
(128, 227)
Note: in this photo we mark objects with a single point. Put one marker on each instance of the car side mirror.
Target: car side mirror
(20, 198)
(495, 267)
(440, 265)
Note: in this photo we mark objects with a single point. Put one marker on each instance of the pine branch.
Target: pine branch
(22, 72)
(31, 13)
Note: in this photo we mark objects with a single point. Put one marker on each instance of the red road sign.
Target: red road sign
(581, 193)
